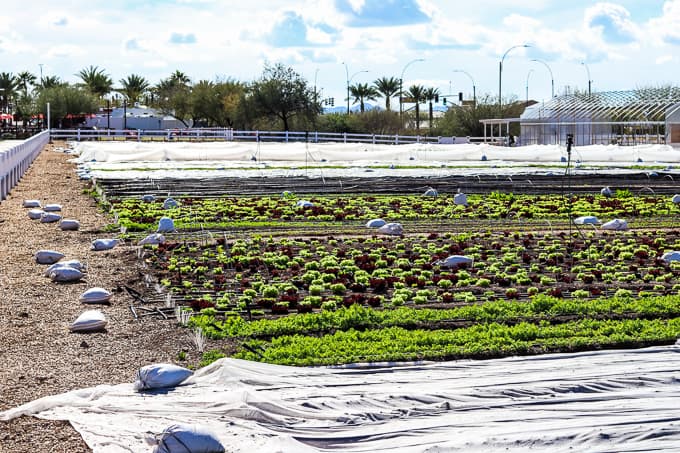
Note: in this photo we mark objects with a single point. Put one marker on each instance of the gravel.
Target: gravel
(39, 355)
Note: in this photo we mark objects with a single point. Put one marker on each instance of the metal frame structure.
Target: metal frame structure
(612, 117)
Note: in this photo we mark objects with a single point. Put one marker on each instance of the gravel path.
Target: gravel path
(39, 356)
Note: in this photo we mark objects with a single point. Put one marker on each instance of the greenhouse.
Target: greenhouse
(640, 116)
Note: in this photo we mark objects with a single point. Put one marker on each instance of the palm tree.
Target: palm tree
(387, 87)
(430, 95)
(49, 82)
(25, 78)
(96, 81)
(363, 92)
(417, 92)
(8, 86)
(179, 78)
(133, 87)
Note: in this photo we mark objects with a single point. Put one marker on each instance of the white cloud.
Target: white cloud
(666, 28)
(65, 51)
(612, 22)
(662, 59)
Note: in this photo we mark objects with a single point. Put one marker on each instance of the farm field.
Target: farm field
(312, 285)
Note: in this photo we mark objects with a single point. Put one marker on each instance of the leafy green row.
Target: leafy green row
(481, 340)
(360, 317)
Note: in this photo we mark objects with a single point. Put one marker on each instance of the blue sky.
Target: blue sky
(624, 44)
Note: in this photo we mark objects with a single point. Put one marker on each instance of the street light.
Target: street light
(500, 77)
(349, 79)
(401, 84)
(552, 80)
(474, 93)
(528, 74)
(590, 82)
(315, 74)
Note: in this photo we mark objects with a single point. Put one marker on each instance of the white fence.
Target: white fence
(15, 161)
(225, 134)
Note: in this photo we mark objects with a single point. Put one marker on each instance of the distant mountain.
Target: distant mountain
(367, 107)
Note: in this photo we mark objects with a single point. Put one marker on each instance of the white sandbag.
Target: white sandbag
(187, 439)
(160, 375)
(74, 264)
(165, 225)
(104, 244)
(52, 207)
(170, 203)
(671, 256)
(35, 214)
(616, 225)
(48, 256)
(375, 223)
(95, 295)
(49, 217)
(89, 321)
(304, 204)
(69, 225)
(460, 198)
(148, 198)
(431, 192)
(64, 274)
(455, 260)
(31, 204)
(586, 220)
(606, 192)
(676, 198)
(153, 239)
(392, 228)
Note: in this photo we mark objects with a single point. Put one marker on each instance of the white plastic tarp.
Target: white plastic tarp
(611, 400)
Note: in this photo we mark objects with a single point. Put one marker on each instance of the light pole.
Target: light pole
(474, 90)
(527, 86)
(349, 79)
(315, 74)
(590, 82)
(401, 84)
(500, 77)
(552, 79)
(41, 65)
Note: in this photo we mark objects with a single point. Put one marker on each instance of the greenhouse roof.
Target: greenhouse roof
(644, 104)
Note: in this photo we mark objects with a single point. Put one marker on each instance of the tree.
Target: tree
(387, 87)
(173, 97)
(430, 95)
(133, 87)
(283, 94)
(24, 79)
(8, 86)
(417, 92)
(217, 103)
(96, 81)
(49, 82)
(66, 100)
(463, 121)
(363, 92)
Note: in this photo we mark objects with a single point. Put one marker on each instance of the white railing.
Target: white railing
(15, 161)
(225, 134)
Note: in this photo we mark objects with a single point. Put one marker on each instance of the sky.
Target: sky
(617, 45)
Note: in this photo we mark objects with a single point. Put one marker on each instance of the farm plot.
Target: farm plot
(282, 211)
(323, 300)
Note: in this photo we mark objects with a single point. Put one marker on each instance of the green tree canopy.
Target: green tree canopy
(363, 92)
(133, 87)
(387, 87)
(65, 100)
(96, 81)
(283, 94)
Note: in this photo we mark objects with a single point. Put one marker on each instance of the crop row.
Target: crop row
(479, 341)
(225, 212)
(279, 275)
